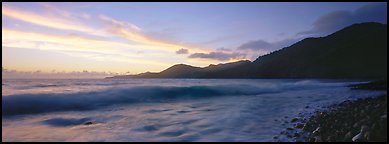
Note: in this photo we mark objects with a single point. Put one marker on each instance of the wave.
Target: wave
(39, 103)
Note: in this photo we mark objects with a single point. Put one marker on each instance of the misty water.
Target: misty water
(162, 109)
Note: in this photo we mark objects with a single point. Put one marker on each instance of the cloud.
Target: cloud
(337, 20)
(182, 51)
(255, 45)
(74, 45)
(224, 49)
(54, 10)
(66, 21)
(48, 21)
(15, 38)
(266, 46)
(325, 24)
(221, 56)
(13, 74)
(134, 33)
(129, 33)
(120, 24)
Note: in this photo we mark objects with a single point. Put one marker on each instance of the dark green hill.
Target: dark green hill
(358, 51)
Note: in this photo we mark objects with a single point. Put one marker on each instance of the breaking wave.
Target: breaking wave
(39, 103)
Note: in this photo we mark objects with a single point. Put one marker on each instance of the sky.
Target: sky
(131, 38)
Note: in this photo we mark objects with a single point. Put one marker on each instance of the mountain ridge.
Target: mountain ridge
(356, 51)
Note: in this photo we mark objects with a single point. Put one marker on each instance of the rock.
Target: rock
(373, 126)
(384, 116)
(88, 123)
(316, 131)
(347, 137)
(318, 139)
(329, 139)
(294, 120)
(299, 140)
(355, 125)
(305, 127)
(366, 136)
(357, 137)
(360, 135)
(311, 140)
(306, 106)
(364, 128)
(358, 120)
(299, 126)
(368, 117)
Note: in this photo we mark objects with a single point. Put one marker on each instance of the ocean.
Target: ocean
(163, 109)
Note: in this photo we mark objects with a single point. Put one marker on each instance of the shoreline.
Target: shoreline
(361, 120)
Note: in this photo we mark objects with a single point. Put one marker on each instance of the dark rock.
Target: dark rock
(294, 120)
(356, 125)
(384, 117)
(88, 123)
(329, 139)
(311, 139)
(348, 136)
(299, 126)
(318, 139)
(366, 136)
(356, 120)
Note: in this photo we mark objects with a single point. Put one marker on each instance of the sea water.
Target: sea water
(162, 109)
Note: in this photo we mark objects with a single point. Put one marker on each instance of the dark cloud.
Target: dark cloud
(255, 45)
(221, 56)
(182, 51)
(337, 20)
(266, 46)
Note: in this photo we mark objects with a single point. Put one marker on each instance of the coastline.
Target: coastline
(361, 120)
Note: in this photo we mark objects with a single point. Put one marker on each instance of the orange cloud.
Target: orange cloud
(77, 46)
(117, 28)
(48, 21)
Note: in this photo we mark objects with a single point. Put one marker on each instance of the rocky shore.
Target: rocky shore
(361, 120)
(374, 85)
